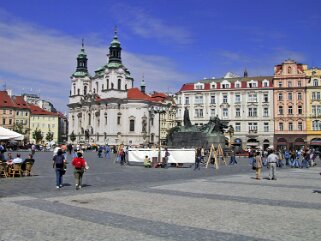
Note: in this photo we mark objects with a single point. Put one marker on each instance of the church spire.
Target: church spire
(115, 49)
(143, 85)
(245, 73)
(82, 59)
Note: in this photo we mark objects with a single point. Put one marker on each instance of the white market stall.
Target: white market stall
(176, 155)
(6, 134)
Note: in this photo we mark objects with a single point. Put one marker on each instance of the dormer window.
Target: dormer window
(225, 86)
(289, 70)
(237, 85)
(213, 86)
(252, 84)
(199, 86)
(265, 83)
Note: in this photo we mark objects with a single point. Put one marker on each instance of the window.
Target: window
(237, 98)
(85, 90)
(224, 98)
(199, 113)
(280, 110)
(89, 119)
(300, 126)
(17, 112)
(281, 126)
(252, 126)
(290, 110)
(119, 84)
(4, 112)
(299, 83)
(266, 127)
(132, 125)
(265, 84)
(213, 86)
(212, 99)
(290, 84)
(252, 85)
(212, 112)
(10, 121)
(78, 91)
(10, 112)
(315, 82)
(252, 112)
(26, 113)
(318, 95)
(199, 87)
(225, 112)
(289, 70)
(179, 100)
(266, 97)
(266, 112)
(3, 121)
(186, 100)
(290, 126)
(252, 97)
(300, 110)
(280, 97)
(280, 84)
(237, 127)
(118, 120)
(238, 112)
(198, 99)
(289, 96)
(107, 84)
(237, 85)
(97, 86)
(225, 86)
(299, 96)
(316, 125)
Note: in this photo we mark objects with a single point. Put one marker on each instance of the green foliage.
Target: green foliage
(37, 135)
(49, 136)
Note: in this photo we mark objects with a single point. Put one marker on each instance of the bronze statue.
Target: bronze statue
(187, 121)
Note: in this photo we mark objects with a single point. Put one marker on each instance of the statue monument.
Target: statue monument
(196, 136)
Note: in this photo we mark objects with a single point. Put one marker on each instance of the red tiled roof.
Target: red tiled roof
(136, 94)
(20, 102)
(5, 100)
(187, 87)
(36, 110)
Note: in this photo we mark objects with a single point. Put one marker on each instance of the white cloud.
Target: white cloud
(148, 26)
(33, 57)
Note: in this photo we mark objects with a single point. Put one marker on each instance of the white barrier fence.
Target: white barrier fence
(176, 155)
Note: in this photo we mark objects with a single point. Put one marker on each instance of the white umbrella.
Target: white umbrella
(6, 134)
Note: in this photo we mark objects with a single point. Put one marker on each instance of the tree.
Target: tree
(72, 136)
(18, 127)
(37, 135)
(49, 136)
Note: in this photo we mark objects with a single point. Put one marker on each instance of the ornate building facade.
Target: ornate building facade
(107, 109)
(290, 82)
(245, 102)
(313, 117)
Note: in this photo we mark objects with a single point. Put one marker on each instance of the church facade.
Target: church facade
(106, 108)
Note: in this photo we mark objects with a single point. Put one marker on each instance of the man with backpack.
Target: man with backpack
(59, 162)
(79, 164)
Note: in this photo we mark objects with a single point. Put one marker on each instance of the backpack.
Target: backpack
(78, 163)
(286, 155)
(59, 161)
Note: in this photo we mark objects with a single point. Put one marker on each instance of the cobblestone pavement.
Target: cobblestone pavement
(162, 204)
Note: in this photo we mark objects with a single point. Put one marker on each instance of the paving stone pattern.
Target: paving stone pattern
(134, 203)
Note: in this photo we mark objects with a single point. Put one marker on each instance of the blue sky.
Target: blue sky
(170, 42)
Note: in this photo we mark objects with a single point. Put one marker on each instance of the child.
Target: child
(147, 162)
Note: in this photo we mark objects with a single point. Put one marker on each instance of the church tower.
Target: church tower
(115, 50)
(80, 79)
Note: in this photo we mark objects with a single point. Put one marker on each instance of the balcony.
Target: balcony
(252, 133)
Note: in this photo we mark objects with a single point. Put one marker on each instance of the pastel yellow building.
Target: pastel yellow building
(44, 121)
(313, 95)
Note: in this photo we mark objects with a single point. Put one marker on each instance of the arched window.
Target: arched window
(280, 110)
(78, 91)
(315, 82)
(132, 125)
(89, 119)
(74, 89)
(112, 86)
(119, 84)
(85, 90)
(107, 84)
(126, 87)
(289, 70)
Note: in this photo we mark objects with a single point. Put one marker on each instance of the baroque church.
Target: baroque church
(106, 108)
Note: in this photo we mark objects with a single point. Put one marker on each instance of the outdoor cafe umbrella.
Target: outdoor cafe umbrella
(6, 134)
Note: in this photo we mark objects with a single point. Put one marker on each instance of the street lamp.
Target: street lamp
(160, 110)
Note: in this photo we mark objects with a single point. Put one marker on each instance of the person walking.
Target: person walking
(198, 159)
(272, 160)
(259, 165)
(79, 164)
(232, 157)
(165, 160)
(107, 152)
(59, 163)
